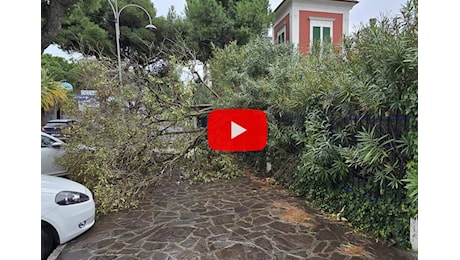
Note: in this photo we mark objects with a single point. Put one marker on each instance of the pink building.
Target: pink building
(303, 21)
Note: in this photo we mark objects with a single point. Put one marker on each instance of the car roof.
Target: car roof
(61, 120)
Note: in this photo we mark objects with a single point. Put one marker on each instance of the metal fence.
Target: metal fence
(393, 127)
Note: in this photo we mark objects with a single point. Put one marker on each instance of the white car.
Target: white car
(52, 148)
(67, 210)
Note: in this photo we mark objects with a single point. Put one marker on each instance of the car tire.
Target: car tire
(47, 243)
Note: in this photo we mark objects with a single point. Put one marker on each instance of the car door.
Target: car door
(50, 150)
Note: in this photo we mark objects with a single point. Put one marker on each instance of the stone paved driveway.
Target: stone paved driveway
(244, 218)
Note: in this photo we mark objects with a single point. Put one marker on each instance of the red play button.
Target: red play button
(237, 130)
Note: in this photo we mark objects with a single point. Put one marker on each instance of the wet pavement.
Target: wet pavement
(244, 218)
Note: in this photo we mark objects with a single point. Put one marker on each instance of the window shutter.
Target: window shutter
(326, 34)
(316, 33)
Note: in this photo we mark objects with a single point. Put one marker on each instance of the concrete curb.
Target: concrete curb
(54, 255)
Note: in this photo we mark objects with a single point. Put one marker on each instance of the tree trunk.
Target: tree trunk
(53, 11)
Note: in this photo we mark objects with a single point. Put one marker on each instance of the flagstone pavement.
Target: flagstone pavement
(243, 218)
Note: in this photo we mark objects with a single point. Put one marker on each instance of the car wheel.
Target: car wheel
(47, 243)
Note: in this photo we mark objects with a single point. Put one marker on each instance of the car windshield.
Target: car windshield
(47, 142)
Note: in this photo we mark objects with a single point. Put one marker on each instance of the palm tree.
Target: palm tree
(52, 92)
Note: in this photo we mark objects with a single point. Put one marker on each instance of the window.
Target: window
(281, 38)
(320, 32)
(282, 35)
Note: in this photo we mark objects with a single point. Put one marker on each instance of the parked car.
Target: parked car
(67, 210)
(52, 148)
(57, 127)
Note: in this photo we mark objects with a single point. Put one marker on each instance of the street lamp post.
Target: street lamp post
(116, 14)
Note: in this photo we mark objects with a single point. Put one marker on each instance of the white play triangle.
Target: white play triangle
(236, 129)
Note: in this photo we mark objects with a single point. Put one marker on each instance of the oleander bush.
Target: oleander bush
(342, 120)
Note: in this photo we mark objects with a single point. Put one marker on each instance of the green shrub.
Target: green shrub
(385, 218)
(202, 164)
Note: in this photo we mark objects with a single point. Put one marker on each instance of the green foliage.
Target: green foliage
(410, 146)
(412, 184)
(251, 19)
(209, 24)
(80, 30)
(205, 165)
(372, 155)
(60, 69)
(169, 38)
(386, 218)
(239, 73)
(89, 28)
(308, 101)
(390, 72)
(215, 23)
